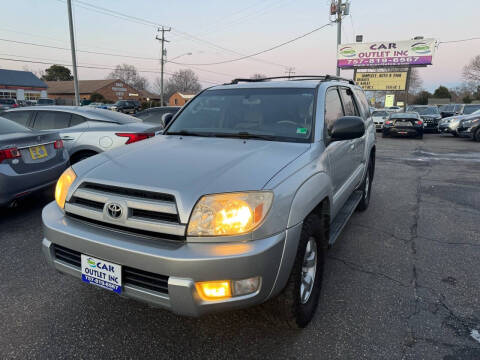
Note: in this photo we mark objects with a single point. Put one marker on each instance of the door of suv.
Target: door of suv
(340, 157)
(352, 108)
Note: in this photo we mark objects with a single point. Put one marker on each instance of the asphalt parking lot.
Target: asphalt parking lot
(402, 281)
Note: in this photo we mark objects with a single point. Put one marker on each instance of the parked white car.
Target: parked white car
(379, 117)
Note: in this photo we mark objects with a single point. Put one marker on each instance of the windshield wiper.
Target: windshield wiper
(245, 135)
(188, 133)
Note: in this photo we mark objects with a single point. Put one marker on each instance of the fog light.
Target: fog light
(246, 286)
(214, 290)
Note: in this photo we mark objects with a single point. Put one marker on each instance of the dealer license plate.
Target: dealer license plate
(38, 152)
(102, 273)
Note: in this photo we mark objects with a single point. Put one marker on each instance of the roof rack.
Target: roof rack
(294, 77)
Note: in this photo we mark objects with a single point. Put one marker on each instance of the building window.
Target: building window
(8, 94)
(32, 95)
(176, 101)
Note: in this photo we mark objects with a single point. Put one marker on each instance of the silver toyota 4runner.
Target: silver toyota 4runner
(234, 205)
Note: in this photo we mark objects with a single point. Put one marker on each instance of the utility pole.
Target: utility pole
(290, 71)
(339, 28)
(162, 62)
(74, 57)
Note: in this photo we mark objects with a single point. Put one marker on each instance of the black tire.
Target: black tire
(454, 134)
(476, 136)
(366, 187)
(288, 306)
(384, 135)
(75, 158)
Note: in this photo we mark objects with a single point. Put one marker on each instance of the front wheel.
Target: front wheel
(299, 300)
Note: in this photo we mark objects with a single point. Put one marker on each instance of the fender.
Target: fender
(308, 196)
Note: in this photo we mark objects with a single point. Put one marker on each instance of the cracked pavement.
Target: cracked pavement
(402, 281)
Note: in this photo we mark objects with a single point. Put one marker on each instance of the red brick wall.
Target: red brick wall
(180, 101)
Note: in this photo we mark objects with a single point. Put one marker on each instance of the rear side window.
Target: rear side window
(363, 102)
(7, 127)
(46, 120)
(348, 102)
(76, 120)
(20, 117)
(333, 107)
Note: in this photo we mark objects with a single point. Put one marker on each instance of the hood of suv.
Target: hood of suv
(190, 167)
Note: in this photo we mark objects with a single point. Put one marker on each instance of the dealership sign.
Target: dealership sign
(398, 53)
(393, 81)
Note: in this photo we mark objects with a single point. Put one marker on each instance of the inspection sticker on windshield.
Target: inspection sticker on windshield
(102, 273)
(302, 131)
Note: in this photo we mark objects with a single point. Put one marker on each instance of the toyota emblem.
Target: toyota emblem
(114, 210)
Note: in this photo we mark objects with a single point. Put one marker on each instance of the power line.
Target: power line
(260, 52)
(94, 67)
(461, 40)
(141, 21)
(107, 54)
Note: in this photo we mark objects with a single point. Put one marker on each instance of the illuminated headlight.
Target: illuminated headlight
(63, 185)
(229, 213)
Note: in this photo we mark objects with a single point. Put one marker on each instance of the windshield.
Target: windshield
(447, 108)
(7, 126)
(379, 113)
(470, 109)
(433, 110)
(279, 114)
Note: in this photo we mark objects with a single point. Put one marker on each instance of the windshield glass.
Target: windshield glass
(380, 113)
(7, 126)
(447, 108)
(470, 109)
(281, 114)
(433, 110)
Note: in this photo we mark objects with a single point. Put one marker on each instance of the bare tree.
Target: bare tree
(184, 81)
(129, 75)
(258, 76)
(471, 72)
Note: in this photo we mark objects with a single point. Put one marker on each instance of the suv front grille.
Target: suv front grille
(144, 213)
(130, 276)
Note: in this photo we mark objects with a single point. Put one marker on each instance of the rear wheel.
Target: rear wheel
(366, 188)
(297, 303)
(476, 136)
(82, 155)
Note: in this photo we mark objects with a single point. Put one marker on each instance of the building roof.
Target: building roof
(148, 94)
(186, 96)
(84, 86)
(20, 78)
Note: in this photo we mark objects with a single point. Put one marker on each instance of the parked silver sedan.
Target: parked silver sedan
(85, 131)
(29, 160)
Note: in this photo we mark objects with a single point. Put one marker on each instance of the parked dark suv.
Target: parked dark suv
(429, 114)
(124, 106)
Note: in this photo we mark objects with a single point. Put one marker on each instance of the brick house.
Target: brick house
(111, 89)
(179, 99)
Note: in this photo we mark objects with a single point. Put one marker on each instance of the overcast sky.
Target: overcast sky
(218, 30)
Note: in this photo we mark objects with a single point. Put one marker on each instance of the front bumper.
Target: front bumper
(183, 263)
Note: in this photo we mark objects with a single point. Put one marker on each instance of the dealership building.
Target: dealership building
(110, 89)
(21, 85)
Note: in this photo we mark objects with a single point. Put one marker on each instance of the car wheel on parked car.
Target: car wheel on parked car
(366, 188)
(299, 299)
(476, 136)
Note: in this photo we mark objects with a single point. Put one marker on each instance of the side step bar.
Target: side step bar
(344, 215)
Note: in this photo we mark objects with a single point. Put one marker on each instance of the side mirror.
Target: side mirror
(347, 127)
(166, 118)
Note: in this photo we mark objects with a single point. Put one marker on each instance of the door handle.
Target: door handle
(67, 138)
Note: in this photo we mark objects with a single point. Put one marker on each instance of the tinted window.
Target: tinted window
(7, 126)
(285, 114)
(363, 102)
(333, 108)
(468, 109)
(427, 110)
(379, 113)
(20, 117)
(46, 120)
(348, 102)
(76, 120)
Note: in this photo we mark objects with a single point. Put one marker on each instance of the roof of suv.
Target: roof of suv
(298, 81)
